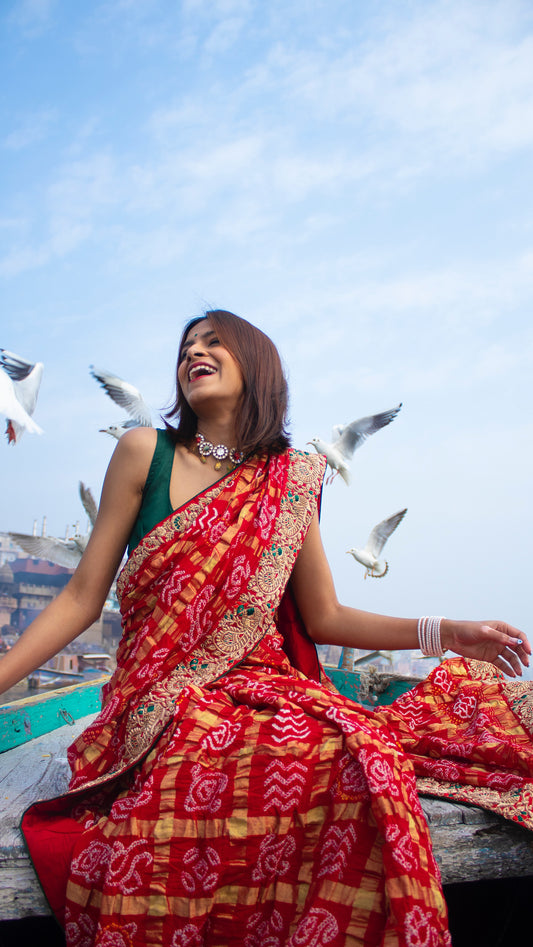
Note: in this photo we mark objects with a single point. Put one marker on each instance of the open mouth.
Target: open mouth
(199, 370)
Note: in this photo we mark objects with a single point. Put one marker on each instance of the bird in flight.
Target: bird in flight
(369, 556)
(20, 381)
(64, 552)
(128, 397)
(346, 438)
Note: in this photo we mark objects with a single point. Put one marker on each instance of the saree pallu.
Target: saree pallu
(224, 797)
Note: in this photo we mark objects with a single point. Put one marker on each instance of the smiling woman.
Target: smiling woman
(260, 411)
(227, 794)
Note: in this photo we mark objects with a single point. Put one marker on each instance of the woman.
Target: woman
(226, 794)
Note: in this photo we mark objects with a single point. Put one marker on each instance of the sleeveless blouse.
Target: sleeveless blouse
(155, 504)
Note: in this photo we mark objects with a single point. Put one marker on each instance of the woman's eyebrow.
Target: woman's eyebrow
(203, 335)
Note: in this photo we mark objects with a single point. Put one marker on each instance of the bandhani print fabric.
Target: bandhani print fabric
(225, 798)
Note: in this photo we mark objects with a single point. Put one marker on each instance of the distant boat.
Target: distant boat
(69, 668)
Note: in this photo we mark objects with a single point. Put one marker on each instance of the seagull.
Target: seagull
(19, 386)
(347, 438)
(128, 397)
(89, 503)
(64, 552)
(369, 556)
(117, 430)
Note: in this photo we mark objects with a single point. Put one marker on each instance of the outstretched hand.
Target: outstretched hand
(493, 641)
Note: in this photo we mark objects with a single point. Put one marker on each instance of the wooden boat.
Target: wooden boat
(470, 844)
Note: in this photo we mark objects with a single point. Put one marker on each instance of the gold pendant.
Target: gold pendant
(218, 465)
(203, 459)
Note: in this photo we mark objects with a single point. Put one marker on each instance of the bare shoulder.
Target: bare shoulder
(133, 456)
(138, 440)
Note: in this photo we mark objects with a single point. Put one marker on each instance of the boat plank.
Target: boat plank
(29, 772)
(24, 720)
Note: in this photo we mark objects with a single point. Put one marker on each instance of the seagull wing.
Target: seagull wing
(125, 395)
(16, 367)
(89, 503)
(64, 552)
(27, 388)
(379, 535)
(356, 433)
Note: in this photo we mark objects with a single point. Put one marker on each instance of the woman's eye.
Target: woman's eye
(214, 341)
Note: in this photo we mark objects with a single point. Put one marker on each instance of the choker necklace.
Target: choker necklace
(219, 452)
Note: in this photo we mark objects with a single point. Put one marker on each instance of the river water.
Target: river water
(20, 691)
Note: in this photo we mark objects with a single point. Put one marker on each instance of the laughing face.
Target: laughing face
(208, 373)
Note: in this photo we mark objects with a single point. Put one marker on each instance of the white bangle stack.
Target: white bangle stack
(429, 636)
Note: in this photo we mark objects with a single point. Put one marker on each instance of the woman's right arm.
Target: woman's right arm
(80, 603)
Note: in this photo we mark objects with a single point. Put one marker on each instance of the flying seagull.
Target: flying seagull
(89, 503)
(369, 556)
(64, 552)
(128, 397)
(346, 438)
(19, 386)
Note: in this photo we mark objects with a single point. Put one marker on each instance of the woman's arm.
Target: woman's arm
(80, 603)
(329, 622)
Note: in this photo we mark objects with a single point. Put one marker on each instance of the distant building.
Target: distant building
(36, 582)
(28, 585)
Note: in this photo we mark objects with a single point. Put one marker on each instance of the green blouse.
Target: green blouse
(155, 505)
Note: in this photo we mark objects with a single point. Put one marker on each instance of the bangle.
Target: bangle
(429, 638)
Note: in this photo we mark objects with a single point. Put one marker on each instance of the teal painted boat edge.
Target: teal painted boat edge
(359, 686)
(23, 720)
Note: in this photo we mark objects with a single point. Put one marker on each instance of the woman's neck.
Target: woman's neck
(218, 432)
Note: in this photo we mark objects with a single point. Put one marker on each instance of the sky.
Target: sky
(355, 179)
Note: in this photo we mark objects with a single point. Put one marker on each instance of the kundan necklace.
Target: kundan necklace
(219, 453)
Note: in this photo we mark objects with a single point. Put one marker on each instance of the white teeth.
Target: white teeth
(201, 368)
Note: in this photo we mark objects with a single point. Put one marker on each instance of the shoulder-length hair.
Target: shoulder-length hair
(262, 413)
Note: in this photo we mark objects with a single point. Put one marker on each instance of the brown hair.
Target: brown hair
(262, 413)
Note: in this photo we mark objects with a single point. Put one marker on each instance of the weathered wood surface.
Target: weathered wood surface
(32, 771)
(469, 844)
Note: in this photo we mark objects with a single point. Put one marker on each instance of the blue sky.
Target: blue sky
(354, 178)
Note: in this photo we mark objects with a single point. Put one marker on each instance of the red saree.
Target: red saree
(224, 797)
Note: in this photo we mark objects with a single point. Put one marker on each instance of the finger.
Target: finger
(503, 665)
(521, 636)
(523, 654)
(512, 659)
(506, 639)
(500, 664)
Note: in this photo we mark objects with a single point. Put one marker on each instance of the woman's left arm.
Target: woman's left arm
(329, 622)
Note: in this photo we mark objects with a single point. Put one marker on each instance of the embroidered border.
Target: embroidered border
(242, 627)
(178, 521)
(515, 805)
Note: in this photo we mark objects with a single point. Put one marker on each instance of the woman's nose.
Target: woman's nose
(196, 350)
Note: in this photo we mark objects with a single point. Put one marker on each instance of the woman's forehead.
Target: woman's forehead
(198, 330)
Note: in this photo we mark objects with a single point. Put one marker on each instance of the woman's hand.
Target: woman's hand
(494, 641)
